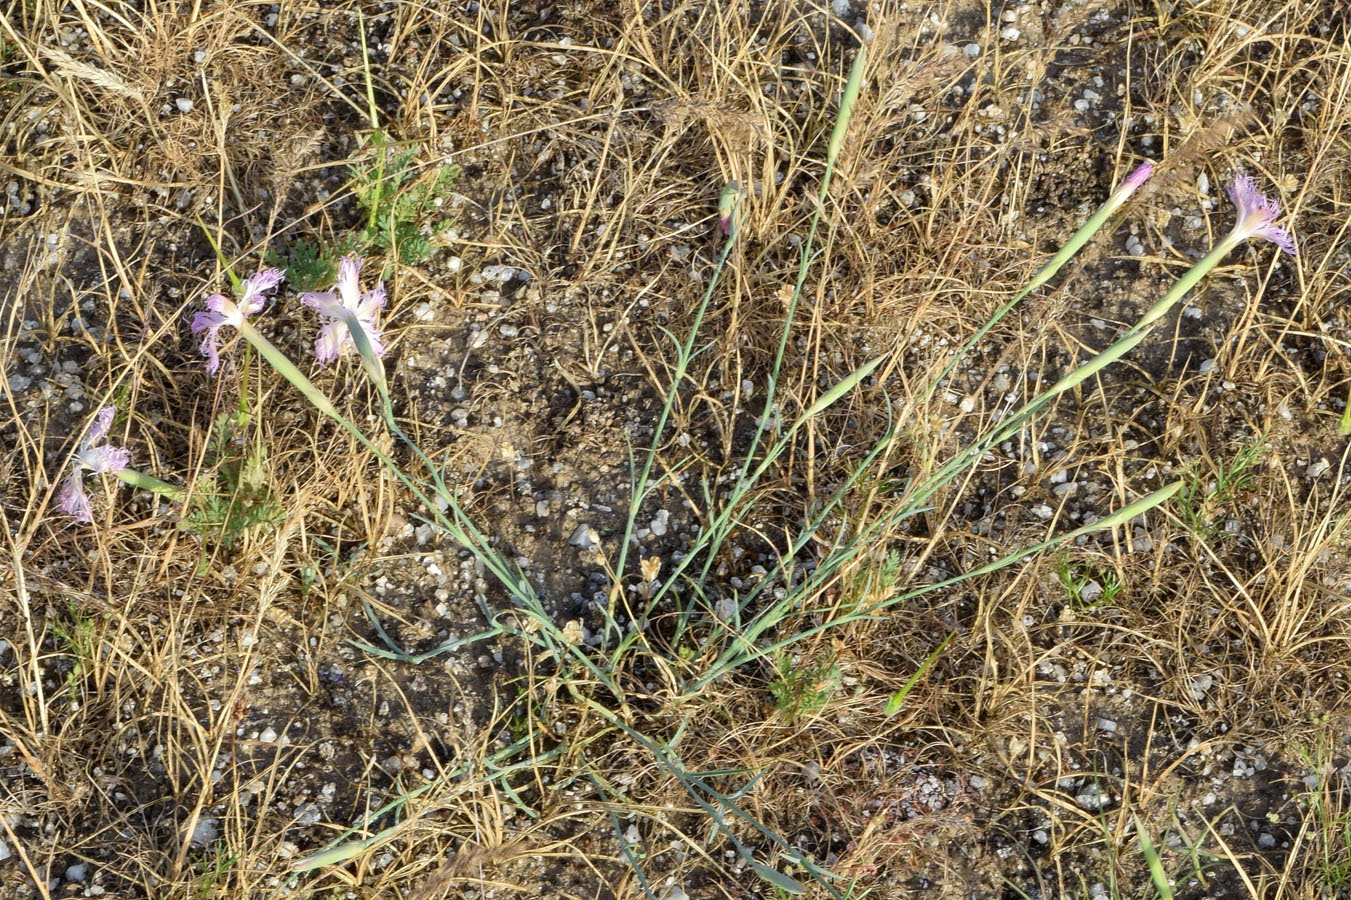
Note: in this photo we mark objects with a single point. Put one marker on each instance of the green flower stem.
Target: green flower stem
(144, 482)
(235, 281)
(1187, 282)
(461, 529)
(744, 648)
(1043, 275)
(846, 112)
(288, 370)
(1015, 421)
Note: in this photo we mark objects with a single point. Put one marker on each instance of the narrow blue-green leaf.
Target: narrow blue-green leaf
(847, 384)
(778, 879)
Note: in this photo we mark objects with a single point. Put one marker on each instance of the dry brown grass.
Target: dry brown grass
(142, 663)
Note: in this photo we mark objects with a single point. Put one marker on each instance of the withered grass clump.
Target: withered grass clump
(173, 707)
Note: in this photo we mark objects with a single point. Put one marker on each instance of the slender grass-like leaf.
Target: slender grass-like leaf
(1156, 873)
(898, 699)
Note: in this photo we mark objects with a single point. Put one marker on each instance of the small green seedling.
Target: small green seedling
(79, 641)
(242, 498)
(309, 267)
(1086, 586)
(401, 207)
(1205, 494)
(802, 687)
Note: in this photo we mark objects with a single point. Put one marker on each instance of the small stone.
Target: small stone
(1010, 33)
(1266, 841)
(658, 523)
(1318, 468)
(184, 104)
(206, 832)
(4, 851)
(1091, 798)
(584, 537)
(268, 735)
(971, 50)
(76, 873)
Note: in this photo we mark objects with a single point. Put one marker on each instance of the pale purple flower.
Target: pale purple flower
(97, 457)
(221, 311)
(333, 306)
(1257, 214)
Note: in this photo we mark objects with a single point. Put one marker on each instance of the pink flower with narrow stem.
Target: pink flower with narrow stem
(345, 305)
(221, 311)
(1256, 215)
(95, 456)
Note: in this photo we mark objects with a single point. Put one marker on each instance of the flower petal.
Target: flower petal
(372, 302)
(1257, 213)
(252, 299)
(373, 335)
(229, 312)
(1281, 237)
(349, 268)
(74, 501)
(326, 303)
(106, 458)
(1137, 178)
(330, 342)
(98, 430)
(207, 319)
(211, 349)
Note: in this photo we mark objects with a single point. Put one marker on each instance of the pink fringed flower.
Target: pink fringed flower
(221, 311)
(335, 305)
(94, 456)
(1257, 214)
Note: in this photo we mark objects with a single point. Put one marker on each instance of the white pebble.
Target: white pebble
(183, 104)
